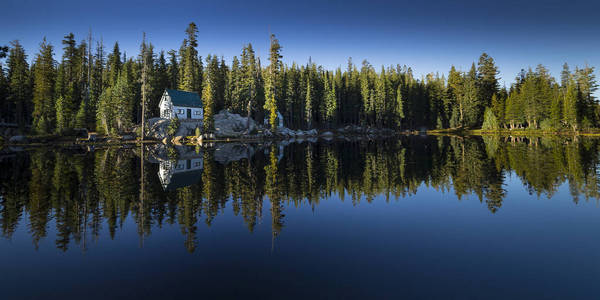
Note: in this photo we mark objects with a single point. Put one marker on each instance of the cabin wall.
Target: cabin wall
(166, 111)
(170, 111)
(181, 112)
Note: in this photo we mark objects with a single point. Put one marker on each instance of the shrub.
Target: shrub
(489, 120)
(548, 125)
(172, 153)
(173, 126)
(586, 123)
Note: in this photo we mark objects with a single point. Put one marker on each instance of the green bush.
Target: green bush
(586, 123)
(173, 126)
(138, 131)
(489, 120)
(172, 153)
(548, 125)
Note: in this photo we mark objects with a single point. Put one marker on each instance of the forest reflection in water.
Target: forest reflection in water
(80, 191)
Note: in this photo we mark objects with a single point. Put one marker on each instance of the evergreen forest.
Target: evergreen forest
(105, 90)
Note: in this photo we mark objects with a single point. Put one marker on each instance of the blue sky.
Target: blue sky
(428, 36)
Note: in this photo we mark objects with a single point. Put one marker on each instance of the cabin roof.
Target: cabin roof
(183, 98)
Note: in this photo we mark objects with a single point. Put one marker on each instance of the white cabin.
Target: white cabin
(180, 104)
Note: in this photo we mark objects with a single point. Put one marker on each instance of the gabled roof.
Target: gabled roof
(183, 98)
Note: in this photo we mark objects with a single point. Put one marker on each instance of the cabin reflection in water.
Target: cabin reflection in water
(180, 173)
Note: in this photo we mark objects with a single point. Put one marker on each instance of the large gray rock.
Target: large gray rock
(188, 127)
(157, 128)
(18, 139)
(232, 125)
(267, 133)
(311, 132)
(228, 152)
(286, 132)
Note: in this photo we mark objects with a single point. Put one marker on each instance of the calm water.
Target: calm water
(416, 217)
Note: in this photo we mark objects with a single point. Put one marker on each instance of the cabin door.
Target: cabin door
(189, 113)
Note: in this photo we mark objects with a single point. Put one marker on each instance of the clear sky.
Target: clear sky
(429, 36)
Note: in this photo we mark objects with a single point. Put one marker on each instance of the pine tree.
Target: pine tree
(234, 88)
(115, 108)
(43, 89)
(308, 104)
(62, 121)
(249, 80)
(114, 65)
(489, 120)
(514, 110)
(271, 82)
(208, 105)
(587, 85)
(380, 97)
(556, 110)
(216, 73)
(463, 94)
(570, 105)
(69, 84)
(565, 74)
(173, 70)
(498, 107)
(486, 79)
(330, 108)
(147, 61)
(528, 94)
(222, 83)
(4, 105)
(270, 103)
(367, 91)
(454, 94)
(97, 84)
(160, 82)
(190, 66)
(19, 89)
(293, 101)
(132, 83)
(80, 117)
(399, 108)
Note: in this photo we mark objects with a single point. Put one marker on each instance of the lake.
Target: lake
(409, 217)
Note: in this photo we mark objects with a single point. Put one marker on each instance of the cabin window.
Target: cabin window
(197, 112)
(180, 111)
(197, 164)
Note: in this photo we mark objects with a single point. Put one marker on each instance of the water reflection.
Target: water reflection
(80, 191)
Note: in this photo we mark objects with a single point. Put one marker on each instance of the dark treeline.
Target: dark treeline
(84, 192)
(101, 89)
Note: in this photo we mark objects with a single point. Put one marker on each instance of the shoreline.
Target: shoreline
(34, 141)
(49, 141)
(514, 132)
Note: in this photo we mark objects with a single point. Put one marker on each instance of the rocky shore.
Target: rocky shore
(227, 127)
(233, 127)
